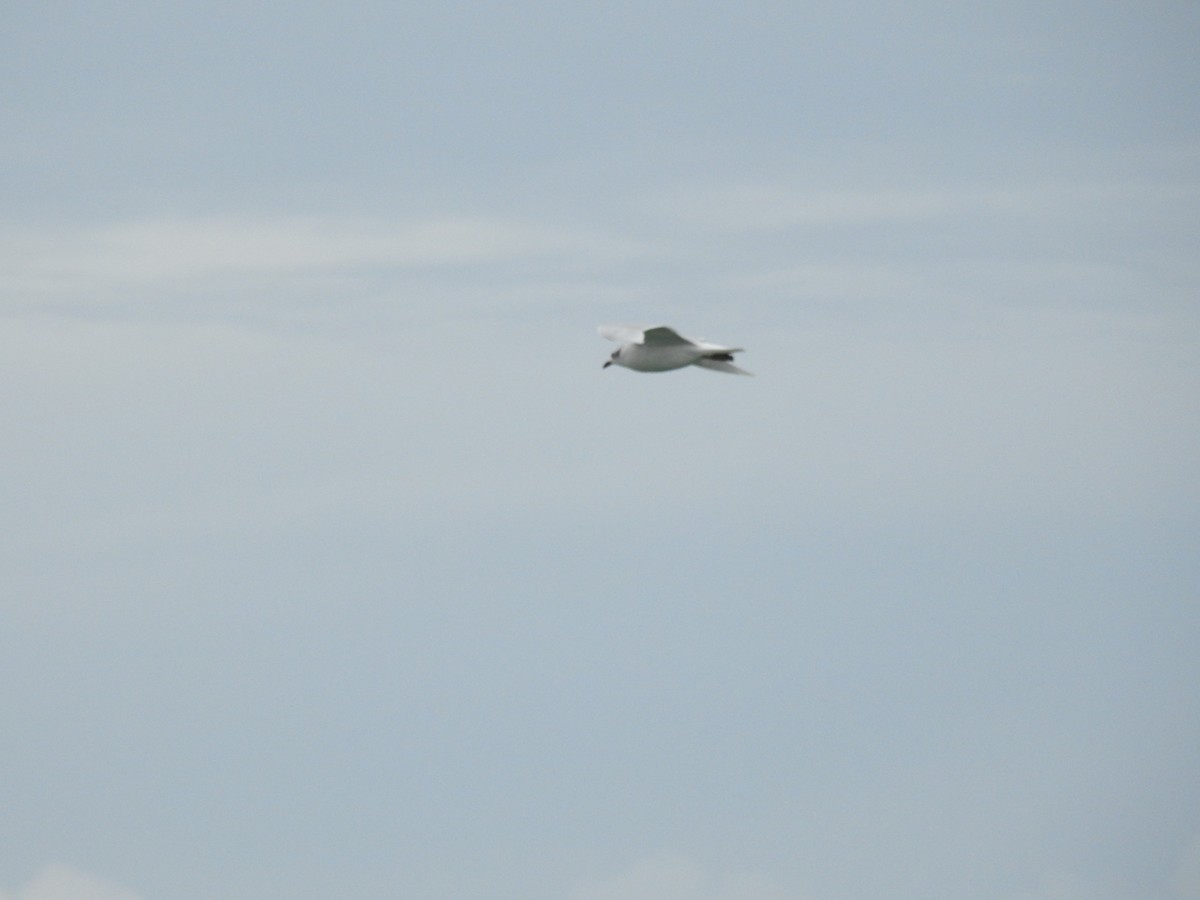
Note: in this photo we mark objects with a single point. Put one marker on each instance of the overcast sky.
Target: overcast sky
(333, 565)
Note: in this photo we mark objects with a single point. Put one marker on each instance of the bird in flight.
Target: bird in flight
(661, 349)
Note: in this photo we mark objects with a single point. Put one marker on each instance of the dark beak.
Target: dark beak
(607, 364)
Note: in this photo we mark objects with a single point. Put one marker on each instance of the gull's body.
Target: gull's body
(661, 349)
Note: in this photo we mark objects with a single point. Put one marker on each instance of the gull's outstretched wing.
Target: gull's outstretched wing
(659, 336)
(718, 348)
(718, 365)
(662, 336)
(622, 334)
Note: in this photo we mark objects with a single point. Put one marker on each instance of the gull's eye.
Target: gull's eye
(616, 353)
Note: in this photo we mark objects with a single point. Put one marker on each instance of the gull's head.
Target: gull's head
(615, 354)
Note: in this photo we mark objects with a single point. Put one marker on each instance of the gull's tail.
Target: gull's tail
(720, 365)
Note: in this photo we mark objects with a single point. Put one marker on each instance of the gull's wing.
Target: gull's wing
(658, 336)
(717, 348)
(662, 336)
(720, 366)
(622, 334)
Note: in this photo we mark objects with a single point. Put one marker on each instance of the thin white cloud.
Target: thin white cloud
(153, 251)
(770, 206)
(740, 206)
(59, 882)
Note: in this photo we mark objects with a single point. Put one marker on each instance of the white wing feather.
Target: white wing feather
(662, 336)
(623, 334)
(657, 336)
(720, 366)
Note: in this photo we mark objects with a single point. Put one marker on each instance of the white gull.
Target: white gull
(661, 349)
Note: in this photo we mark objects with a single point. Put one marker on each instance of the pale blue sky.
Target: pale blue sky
(334, 565)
